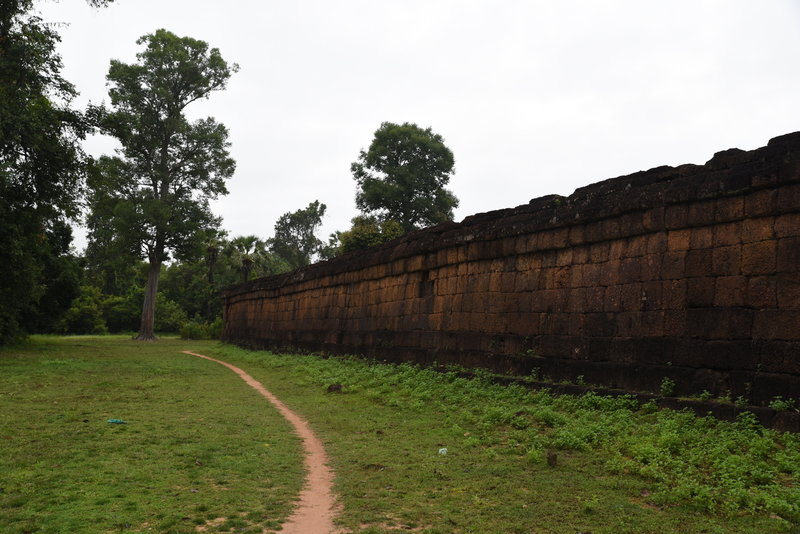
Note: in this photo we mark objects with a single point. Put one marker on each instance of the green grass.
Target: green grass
(193, 425)
(198, 444)
(620, 467)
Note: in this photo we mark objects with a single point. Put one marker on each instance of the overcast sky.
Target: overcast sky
(533, 97)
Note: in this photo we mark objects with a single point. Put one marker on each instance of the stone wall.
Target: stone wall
(690, 273)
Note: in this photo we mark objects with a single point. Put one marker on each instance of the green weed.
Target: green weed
(192, 425)
(622, 467)
(667, 387)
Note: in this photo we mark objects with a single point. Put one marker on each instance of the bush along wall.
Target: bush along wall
(689, 274)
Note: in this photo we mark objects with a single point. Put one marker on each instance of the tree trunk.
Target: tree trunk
(149, 306)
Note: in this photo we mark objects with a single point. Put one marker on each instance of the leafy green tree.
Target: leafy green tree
(59, 279)
(248, 248)
(112, 263)
(85, 316)
(156, 193)
(194, 283)
(245, 257)
(367, 232)
(294, 239)
(402, 176)
(40, 157)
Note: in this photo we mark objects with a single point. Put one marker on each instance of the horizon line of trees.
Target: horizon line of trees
(157, 257)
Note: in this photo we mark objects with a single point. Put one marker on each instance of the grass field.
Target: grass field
(200, 445)
(197, 445)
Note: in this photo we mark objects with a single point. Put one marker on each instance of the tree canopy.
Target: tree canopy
(41, 167)
(153, 198)
(294, 239)
(366, 232)
(402, 177)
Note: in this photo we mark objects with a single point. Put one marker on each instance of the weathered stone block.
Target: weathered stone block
(580, 254)
(630, 270)
(678, 240)
(560, 237)
(759, 258)
(564, 257)
(788, 260)
(727, 234)
(576, 300)
(726, 261)
(652, 323)
(788, 291)
(729, 209)
(698, 263)
(629, 324)
(611, 229)
(601, 324)
(599, 252)
(760, 203)
(653, 219)
(508, 281)
(657, 243)
(788, 199)
(730, 291)
(760, 229)
(576, 327)
(719, 323)
(762, 292)
(776, 324)
(636, 246)
(675, 322)
(700, 292)
(787, 225)
(673, 265)
(651, 295)
(613, 299)
(701, 213)
(651, 267)
(676, 217)
(702, 238)
(631, 295)
(577, 235)
(618, 249)
(595, 298)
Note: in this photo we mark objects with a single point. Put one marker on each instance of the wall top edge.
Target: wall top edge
(728, 172)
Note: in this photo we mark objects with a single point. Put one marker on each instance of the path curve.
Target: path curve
(317, 507)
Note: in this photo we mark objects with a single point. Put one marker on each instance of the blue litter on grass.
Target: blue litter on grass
(117, 421)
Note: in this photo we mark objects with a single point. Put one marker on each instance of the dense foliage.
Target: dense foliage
(154, 197)
(294, 241)
(620, 466)
(367, 231)
(402, 176)
(41, 172)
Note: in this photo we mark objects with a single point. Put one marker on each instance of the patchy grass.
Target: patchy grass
(198, 444)
(620, 467)
(201, 450)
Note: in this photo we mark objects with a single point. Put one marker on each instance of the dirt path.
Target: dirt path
(317, 508)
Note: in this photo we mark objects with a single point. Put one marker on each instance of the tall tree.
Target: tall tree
(294, 239)
(157, 190)
(41, 163)
(402, 176)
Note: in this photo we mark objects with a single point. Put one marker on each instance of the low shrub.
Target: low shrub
(85, 315)
(198, 329)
